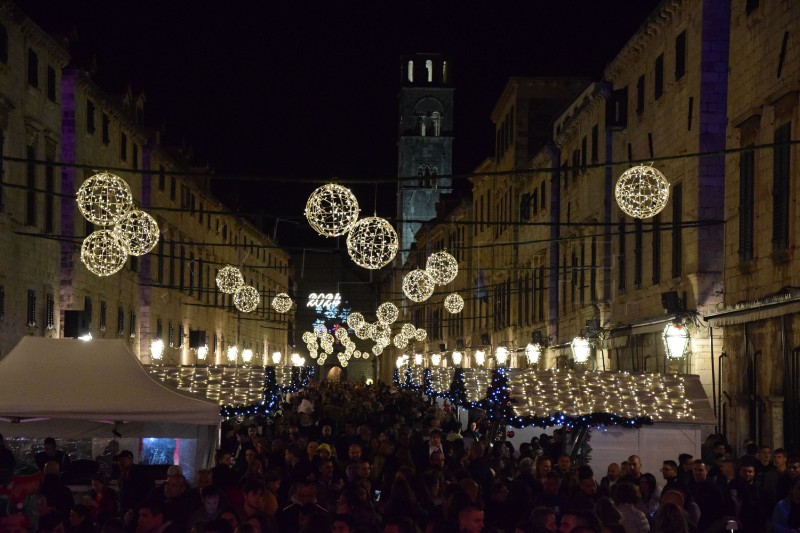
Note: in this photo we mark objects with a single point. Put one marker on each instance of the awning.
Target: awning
(755, 312)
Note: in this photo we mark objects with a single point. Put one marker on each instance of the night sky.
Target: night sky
(309, 90)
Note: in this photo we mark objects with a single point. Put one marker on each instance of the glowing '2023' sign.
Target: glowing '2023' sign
(328, 301)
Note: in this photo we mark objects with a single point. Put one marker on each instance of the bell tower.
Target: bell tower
(425, 142)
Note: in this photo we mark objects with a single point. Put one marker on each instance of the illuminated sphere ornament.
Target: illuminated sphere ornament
(382, 332)
(103, 254)
(372, 243)
(420, 334)
(309, 337)
(400, 340)
(282, 302)
(104, 198)
(246, 298)
(408, 330)
(229, 278)
(138, 230)
(442, 267)
(642, 191)
(332, 210)
(418, 285)
(387, 313)
(355, 320)
(454, 303)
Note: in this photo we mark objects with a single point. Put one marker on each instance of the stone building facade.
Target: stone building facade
(168, 294)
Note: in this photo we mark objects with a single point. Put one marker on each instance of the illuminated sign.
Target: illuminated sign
(328, 301)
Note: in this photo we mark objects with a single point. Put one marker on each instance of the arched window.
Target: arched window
(411, 71)
(444, 71)
(429, 68)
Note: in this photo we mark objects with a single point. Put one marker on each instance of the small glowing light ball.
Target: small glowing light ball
(418, 285)
(282, 302)
(372, 243)
(229, 278)
(387, 313)
(103, 254)
(309, 337)
(400, 340)
(332, 210)
(104, 198)
(420, 334)
(454, 303)
(138, 230)
(408, 330)
(382, 332)
(442, 267)
(642, 191)
(246, 298)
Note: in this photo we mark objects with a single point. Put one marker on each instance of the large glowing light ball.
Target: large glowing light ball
(282, 302)
(246, 298)
(372, 243)
(418, 285)
(442, 267)
(103, 254)
(332, 210)
(355, 320)
(642, 191)
(139, 231)
(104, 198)
(229, 278)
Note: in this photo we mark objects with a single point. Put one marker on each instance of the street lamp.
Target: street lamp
(480, 357)
(533, 351)
(436, 359)
(457, 356)
(581, 349)
(418, 359)
(676, 340)
(233, 354)
(157, 349)
(501, 355)
(202, 353)
(276, 358)
(247, 355)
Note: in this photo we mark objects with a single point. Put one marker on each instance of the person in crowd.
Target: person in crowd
(211, 496)
(634, 470)
(573, 520)
(470, 519)
(786, 515)
(670, 473)
(551, 496)
(585, 496)
(134, 484)
(152, 519)
(748, 497)
(772, 479)
(303, 503)
(611, 477)
(55, 491)
(707, 495)
(670, 519)
(626, 499)
(606, 510)
(101, 500)
(80, 519)
(52, 453)
(650, 495)
(7, 462)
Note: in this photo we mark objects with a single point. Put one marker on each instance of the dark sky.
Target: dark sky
(309, 89)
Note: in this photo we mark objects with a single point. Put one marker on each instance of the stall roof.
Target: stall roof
(96, 380)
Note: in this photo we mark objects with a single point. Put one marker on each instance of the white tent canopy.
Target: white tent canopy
(75, 389)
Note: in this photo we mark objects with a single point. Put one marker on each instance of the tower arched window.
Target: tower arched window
(437, 124)
(429, 68)
(444, 71)
(411, 71)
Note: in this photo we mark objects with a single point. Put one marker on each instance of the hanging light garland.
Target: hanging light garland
(418, 285)
(229, 278)
(282, 302)
(454, 303)
(103, 253)
(442, 267)
(332, 210)
(138, 230)
(372, 243)
(104, 198)
(246, 299)
(642, 191)
(387, 313)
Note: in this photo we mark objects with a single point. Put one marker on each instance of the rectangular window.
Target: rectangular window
(172, 264)
(123, 146)
(50, 313)
(657, 249)
(30, 193)
(525, 207)
(160, 266)
(135, 156)
(746, 204)
(103, 315)
(584, 143)
(132, 330)
(593, 271)
(170, 335)
(90, 116)
(182, 273)
(621, 256)
(120, 320)
(781, 159)
(51, 84)
(31, 322)
(162, 178)
(191, 274)
(3, 44)
(541, 196)
(33, 68)
(582, 276)
(49, 199)
(576, 163)
(677, 234)
(680, 55)
(640, 94)
(172, 188)
(637, 253)
(659, 77)
(595, 143)
(106, 129)
(159, 329)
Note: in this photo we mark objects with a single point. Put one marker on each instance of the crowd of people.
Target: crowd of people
(353, 458)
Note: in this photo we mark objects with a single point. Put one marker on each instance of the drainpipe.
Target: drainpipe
(720, 418)
(713, 381)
